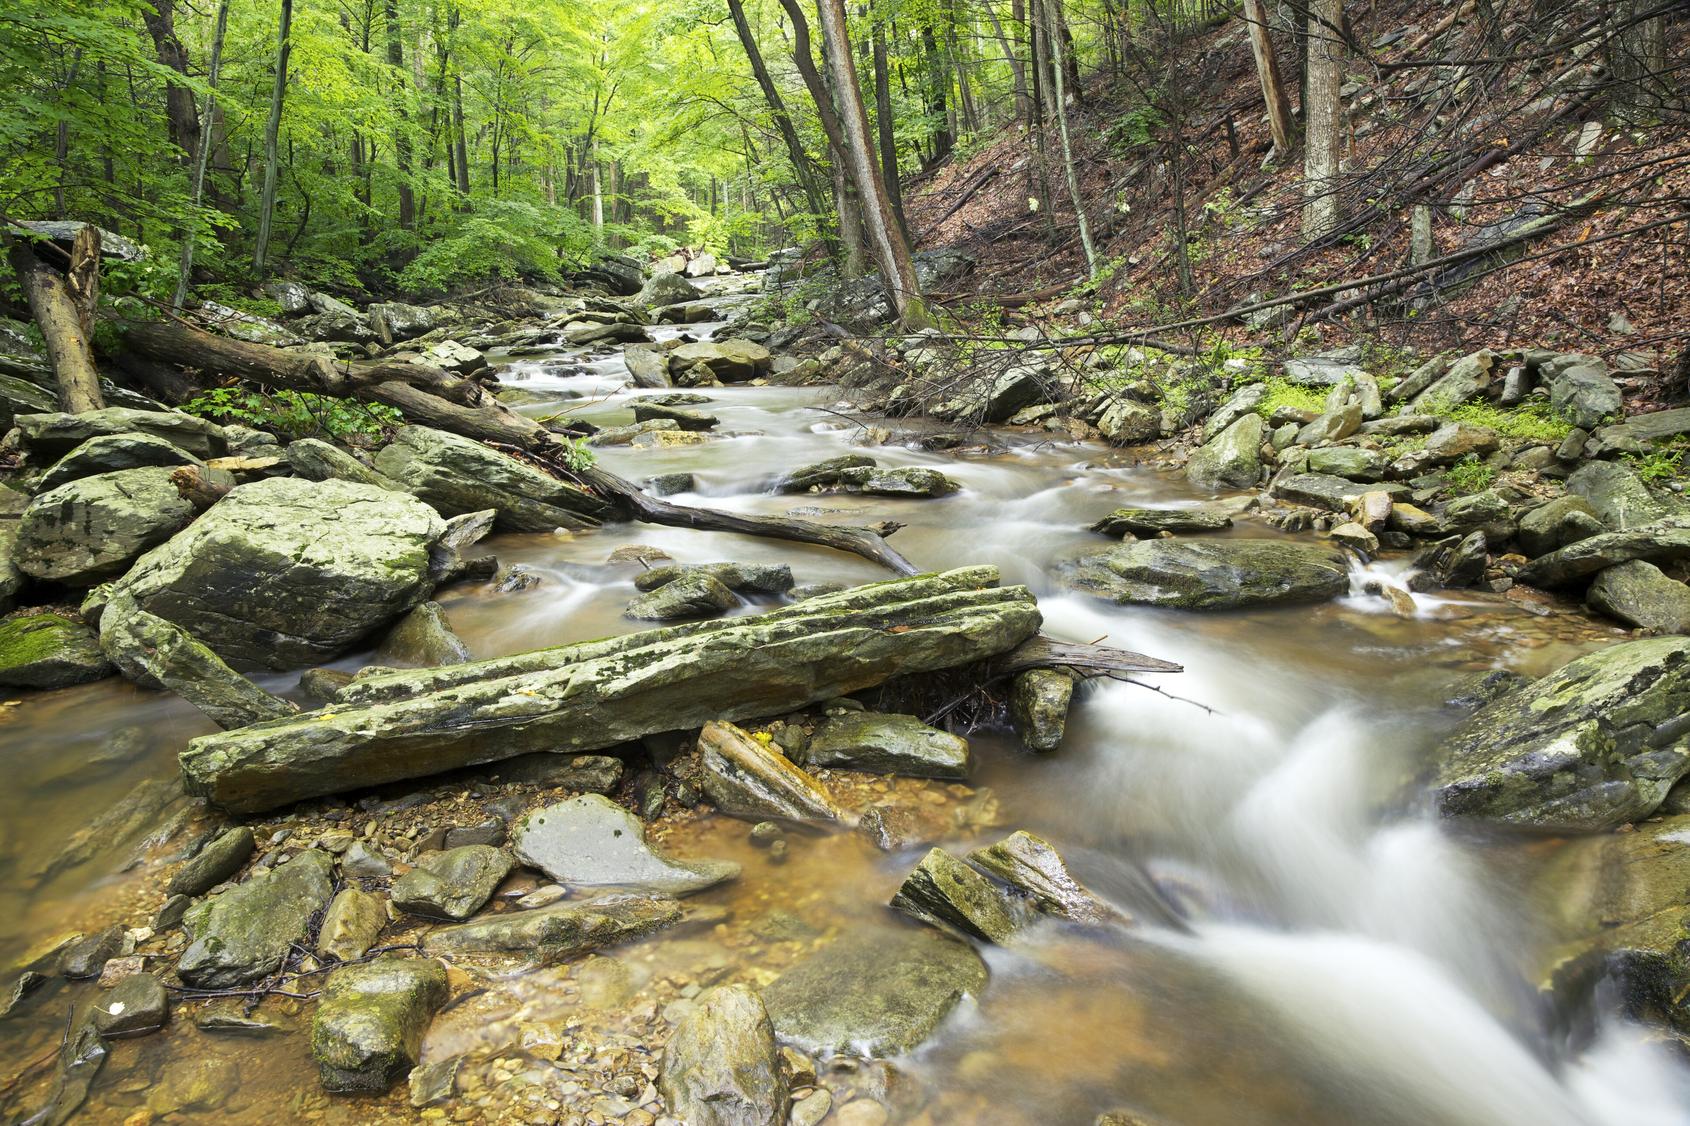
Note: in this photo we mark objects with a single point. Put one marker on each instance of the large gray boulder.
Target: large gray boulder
(1465, 379)
(370, 1021)
(285, 572)
(458, 475)
(247, 932)
(1231, 458)
(994, 400)
(109, 453)
(92, 528)
(394, 321)
(1595, 744)
(668, 288)
(730, 361)
(49, 437)
(1639, 433)
(1638, 594)
(49, 651)
(1335, 494)
(590, 841)
(879, 992)
(1617, 496)
(1663, 540)
(1557, 523)
(721, 1066)
(1212, 574)
(1583, 394)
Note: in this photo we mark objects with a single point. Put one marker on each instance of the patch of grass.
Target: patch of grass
(1665, 463)
(1530, 421)
(1470, 475)
(1284, 393)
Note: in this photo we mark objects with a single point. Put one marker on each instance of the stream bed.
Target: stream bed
(1347, 959)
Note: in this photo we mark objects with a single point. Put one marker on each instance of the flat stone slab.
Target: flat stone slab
(1150, 522)
(887, 743)
(1212, 574)
(590, 841)
(554, 933)
(1322, 490)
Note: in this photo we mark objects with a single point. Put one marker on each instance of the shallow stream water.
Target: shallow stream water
(1349, 959)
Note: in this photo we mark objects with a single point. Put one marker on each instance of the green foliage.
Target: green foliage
(1531, 421)
(1663, 464)
(297, 414)
(575, 454)
(1470, 475)
(504, 239)
(1284, 393)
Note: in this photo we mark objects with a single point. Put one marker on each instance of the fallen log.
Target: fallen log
(397, 725)
(432, 397)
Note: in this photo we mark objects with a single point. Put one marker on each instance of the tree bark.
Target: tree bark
(196, 182)
(803, 167)
(883, 119)
(897, 266)
(1267, 72)
(273, 128)
(61, 312)
(402, 133)
(179, 110)
(1322, 117)
(1053, 20)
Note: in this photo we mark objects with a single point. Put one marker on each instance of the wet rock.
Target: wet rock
(1127, 421)
(994, 401)
(646, 411)
(457, 475)
(364, 861)
(668, 288)
(1357, 538)
(151, 650)
(1560, 522)
(286, 572)
(1452, 563)
(896, 828)
(82, 1054)
(1030, 865)
(451, 884)
(1617, 496)
(730, 361)
(1466, 378)
(351, 925)
(222, 857)
(93, 528)
(613, 332)
(394, 321)
(1152, 522)
(230, 1018)
(742, 578)
(1212, 574)
(593, 842)
(1582, 393)
(110, 453)
(911, 481)
(546, 935)
(1038, 707)
(811, 1109)
(247, 932)
(1244, 401)
(1333, 426)
(668, 484)
(1596, 743)
(822, 474)
(1638, 594)
(370, 1021)
(590, 774)
(1351, 462)
(1335, 494)
(422, 638)
(697, 594)
(1485, 511)
(134, 1005)
(12, 580)
(323, 685)
(947, 893)
(887, 743)
(1231, 458)
(744, 777)
(88, 956)
(648, 364)
(873, 992)
(721, 1067)
(1668, 539)
(316, 460)
(51, 436)
(169, 915)
(49, 651)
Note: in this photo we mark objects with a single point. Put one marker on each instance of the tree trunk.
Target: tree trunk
(883, 119)
(1322, 116)
(1267, 71)
(938, 88)
(402, 133)
(63, 309)
(1012, 53)
(272, 129)
(179, 110)
(897, 266)
(803, 167)
(196, 183)
(1053, 21)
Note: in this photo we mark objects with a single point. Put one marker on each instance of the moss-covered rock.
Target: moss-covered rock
(1232, 458)
(49, 651)
(453, 883)
(51, 435)
(887, 743)
(248, 931)
(458, 475)
(370, 1021)
(1595, 744)
(949, 894)
(1638, 594)
(1212, 574)
(551, 934)
(721, 1066)
(93, 528)
(109, 453)
(422, 638)
(697, 594)
(1038, 707)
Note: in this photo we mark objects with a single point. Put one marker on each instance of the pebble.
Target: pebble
(862, 1112)
(811, 1109)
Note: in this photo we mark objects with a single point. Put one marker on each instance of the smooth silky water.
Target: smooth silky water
(1348, 959)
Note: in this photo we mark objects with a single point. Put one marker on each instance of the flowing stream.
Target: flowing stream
(1349, 958)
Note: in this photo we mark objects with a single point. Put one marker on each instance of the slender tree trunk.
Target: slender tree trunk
(1322, 115)
(272, 129)
(1053, 30)
(402, 133)
(850, 224)
(1267, 71)
(883, 119)
(938, 87)
(63, 310)
(61, 141)
(1012, 54)
(803, 167)
(897, 266)
(598, 193)
(179, 109)
(196, 185)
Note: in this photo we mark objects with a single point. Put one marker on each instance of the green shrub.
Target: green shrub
(1284, 393)
(1663, 464)
(1470, 475)
(297, 414)
(1530, 421)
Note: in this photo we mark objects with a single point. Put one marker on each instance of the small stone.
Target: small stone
(214, 863)
(117, 969)
(136, 1004)
(453, 884)
(88, 956)
(364, 861)
(351, 925)
(370, 1021)
(811, 1109)
(766, 833)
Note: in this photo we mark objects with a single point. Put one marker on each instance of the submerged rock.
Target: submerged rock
(1638, 594)
(561, 931)
(947, 893)
(744, 777)
(351, 925)
(1212, 574)
(1595, 744)
(742, 578)
(49, 651)
(721, 1066)
(134, 1005)
(591, 841)
(451, 884)
(370, 1021)
(286, 572)
(1033, 867)
(93, 528)
(697, 594)
(248, 932)
(873, 992)
(1038, 707)
(887, 743)
(221, 858)
(457, 475)
(87, 956)
(423, 638)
